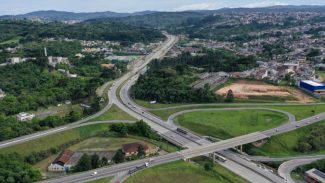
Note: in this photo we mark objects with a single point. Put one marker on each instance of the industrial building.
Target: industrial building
(315, 176)
(312, 86)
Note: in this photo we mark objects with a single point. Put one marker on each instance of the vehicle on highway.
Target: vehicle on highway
(297, 126)
(181, 131)
(146, 164)
(219, 157)
(94, 173)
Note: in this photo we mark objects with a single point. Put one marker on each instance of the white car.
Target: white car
(94, 173)
(146, 164)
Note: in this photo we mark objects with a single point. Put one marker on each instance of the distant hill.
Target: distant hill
(52, 15)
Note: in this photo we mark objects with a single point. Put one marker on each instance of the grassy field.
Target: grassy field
(14, 40)
(180, 172)
(283, 145)
(103, 180)
(114, 113)
(106, 144)
(300, 111)
(228, 124)
(55, 140)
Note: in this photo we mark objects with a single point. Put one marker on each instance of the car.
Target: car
(94, 173)
(297, 125)
(276, 130)
(317, 117)
(146, 164)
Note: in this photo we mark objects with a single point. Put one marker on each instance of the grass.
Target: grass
(180, 172)
(300, 111)
(106, 144)
(284, 144)
(114, 113)
(228, 124)
(321, 74)
(14, 40)
(55, 140)
(102, 180)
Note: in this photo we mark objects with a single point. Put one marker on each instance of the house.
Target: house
(132, 149)
(15, 60)
(53, 61)
(60, 163)
(315, 176)
(23, 116)
(2, 93)
(108, 66)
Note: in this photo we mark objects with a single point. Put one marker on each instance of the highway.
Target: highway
(196, 145)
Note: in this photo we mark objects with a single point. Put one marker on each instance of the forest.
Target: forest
(28, 31)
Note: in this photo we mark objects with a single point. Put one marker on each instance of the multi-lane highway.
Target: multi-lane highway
(196, 145)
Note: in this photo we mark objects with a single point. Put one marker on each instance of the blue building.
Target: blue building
(312, 86)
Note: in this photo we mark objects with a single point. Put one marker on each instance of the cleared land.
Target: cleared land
(283, 145)
(114, 113)
(228, 124)
(180, 172)
(244, 89)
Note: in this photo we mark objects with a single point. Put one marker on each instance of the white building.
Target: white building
(53, 61)
(2, 93)
(23, 116)
(15, 60)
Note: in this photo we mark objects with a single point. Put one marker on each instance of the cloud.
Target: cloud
(199, 6)
(264, 3)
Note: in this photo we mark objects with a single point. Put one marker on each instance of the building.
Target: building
(60, 163)
(2, 93)
(132, 149)
(53, 61)
(15, 60)
(315, 176)
(23, 116)
(312, 86)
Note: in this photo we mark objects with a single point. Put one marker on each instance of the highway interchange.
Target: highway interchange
(194, 144)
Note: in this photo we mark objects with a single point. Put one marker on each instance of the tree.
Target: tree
(141, 151)
(95, 162)
(119, 157)
(83, 164)
(230, 96)
(208, 166)
(104, 161)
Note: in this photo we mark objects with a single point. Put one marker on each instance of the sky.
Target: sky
(13, 7)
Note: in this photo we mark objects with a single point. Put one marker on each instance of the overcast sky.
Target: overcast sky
(24, 6)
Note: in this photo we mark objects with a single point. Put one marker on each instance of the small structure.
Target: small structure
(133, 148)
(53, 61)
(15, 60)
(23, 116)
(315, 176)
(2, 93)
(60, 163)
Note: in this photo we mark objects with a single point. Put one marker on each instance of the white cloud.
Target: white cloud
(199, 6)
(264, 3)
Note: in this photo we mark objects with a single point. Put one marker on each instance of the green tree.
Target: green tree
(141, 151)
(119, 157)
(83, 164)
(95, 161)
(230, 96)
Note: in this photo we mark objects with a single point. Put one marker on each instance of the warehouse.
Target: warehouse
(312, 86)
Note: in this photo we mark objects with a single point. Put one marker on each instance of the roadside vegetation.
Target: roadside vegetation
(114, 113)
(228, 124)
(303, 141)
(198, 170)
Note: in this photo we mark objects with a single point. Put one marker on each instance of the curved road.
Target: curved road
(286, 168)
(291, 117)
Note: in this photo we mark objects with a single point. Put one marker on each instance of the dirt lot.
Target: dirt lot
(249, 89)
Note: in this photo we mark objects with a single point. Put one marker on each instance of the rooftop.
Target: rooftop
(320, 176)
(313, 83)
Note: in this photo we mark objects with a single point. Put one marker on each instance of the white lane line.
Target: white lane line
(32, 137)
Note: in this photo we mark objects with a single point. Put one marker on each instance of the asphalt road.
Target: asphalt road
(286, 168)
(197, 146)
